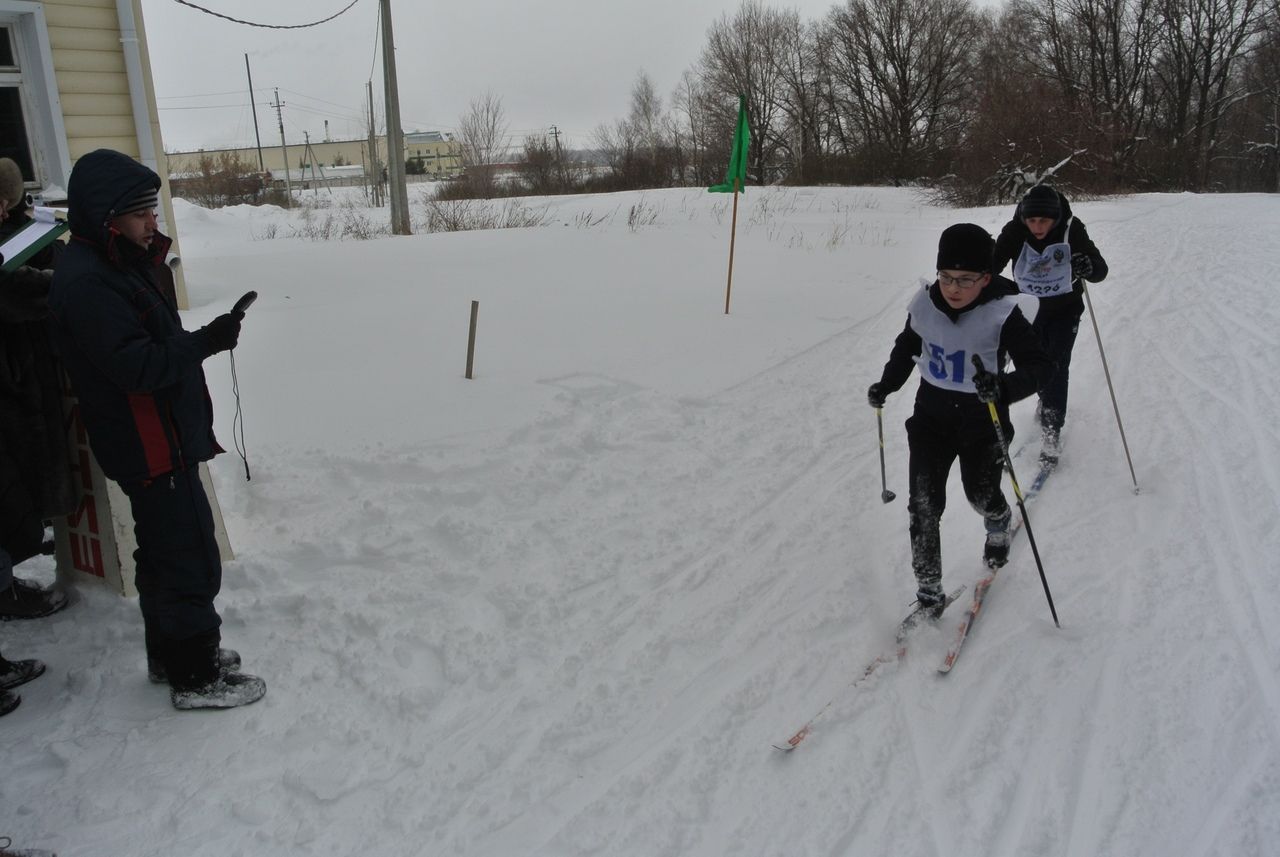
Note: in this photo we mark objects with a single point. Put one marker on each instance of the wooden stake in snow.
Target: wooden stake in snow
(733, 234)
(471, 338)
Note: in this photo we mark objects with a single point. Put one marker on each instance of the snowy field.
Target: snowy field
(564, 609)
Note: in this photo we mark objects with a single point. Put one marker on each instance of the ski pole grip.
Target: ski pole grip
(977, 363)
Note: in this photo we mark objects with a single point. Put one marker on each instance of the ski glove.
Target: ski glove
(1081, 266)
(988, 386)
(876, 395)
(222, 333)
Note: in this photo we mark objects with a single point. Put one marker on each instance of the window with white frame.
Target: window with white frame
(31, 126)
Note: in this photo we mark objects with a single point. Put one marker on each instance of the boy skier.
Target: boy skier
(1052, 254)
(948, 323)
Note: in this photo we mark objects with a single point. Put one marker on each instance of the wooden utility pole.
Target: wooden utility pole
(375, 173)
(254, 106)
(288, 187)
(395, 136)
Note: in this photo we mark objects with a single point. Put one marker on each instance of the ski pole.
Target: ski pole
(885, 494)
(1017, 493)
(1106, 371)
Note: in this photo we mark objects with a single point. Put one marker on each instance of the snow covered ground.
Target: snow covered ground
(564, 608)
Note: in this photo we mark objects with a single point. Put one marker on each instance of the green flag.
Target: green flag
(738, 157)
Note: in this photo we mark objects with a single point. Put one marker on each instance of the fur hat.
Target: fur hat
(965, 247)
(12, 188)
(1040, 201)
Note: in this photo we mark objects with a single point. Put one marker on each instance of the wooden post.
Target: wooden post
(471, 338)
(733, 234)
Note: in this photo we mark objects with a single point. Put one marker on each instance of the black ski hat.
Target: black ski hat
(1041, 201)
(965, 247)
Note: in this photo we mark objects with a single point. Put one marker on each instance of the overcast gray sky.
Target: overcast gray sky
(568, 63)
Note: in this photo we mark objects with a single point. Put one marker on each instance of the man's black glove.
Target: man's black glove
(222, 333)
(876, 395)
(987, 385)
(1081, 266)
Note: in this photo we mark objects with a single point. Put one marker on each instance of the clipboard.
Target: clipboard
(47, 225)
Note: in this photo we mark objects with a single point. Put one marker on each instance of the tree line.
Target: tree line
(1106, 95)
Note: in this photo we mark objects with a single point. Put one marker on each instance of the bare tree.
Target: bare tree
(740, 59)
(1100, 53)
(484, 140)
(1260, 121)
(1204, 41)
(799, 68)
(903, 71)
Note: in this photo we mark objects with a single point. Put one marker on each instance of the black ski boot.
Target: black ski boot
(995, 553)
(931, 602)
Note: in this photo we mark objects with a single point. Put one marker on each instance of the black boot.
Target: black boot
(228, 662)
(197, 681)
(14, 673)
(26, 600)
(995, 553)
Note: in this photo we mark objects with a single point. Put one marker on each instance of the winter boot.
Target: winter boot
(1051, 447)
(8, 702)
(995, 553)
(931, 601)
(228, 662)
(196, 679)
(26, 600)
(14, 673)
(229, 690)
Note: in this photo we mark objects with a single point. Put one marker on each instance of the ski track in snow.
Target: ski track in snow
(579, 632)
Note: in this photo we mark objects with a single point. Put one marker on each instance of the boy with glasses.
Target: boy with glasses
(949, 322)
(1051, 253)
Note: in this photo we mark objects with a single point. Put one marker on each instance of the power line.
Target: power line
(206, 94)
(267, 26)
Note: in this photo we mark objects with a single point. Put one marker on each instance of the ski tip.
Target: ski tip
(792, 742)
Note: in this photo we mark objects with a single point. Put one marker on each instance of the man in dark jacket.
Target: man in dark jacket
(963, 314)
(35, 472)
(35, 476)
(1052, 254)
(141, 389)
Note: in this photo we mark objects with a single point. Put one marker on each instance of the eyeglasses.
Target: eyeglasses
(960, 282)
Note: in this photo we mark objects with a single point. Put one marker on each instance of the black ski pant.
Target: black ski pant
(1058, 334)
(178, 574)
(934, 446)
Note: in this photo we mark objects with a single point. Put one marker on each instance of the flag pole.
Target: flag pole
(732, 237)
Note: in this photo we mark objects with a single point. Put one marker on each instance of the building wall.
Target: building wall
(98, 106)
(438, 158)
(89, 64)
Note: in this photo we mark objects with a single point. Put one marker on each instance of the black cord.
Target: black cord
(267, 26)
(237, 422)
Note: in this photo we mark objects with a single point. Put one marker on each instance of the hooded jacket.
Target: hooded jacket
(1015, 233)
(134, 369)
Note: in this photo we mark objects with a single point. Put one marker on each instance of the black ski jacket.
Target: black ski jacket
(1015, 234)
(134, 369)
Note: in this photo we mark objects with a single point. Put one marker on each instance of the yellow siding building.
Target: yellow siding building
(75, 76)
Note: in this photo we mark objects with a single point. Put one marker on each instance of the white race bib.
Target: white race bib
(1045, 273)
(947, 347)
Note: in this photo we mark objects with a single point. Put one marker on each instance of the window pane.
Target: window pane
(13, 131)
(6, 48)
